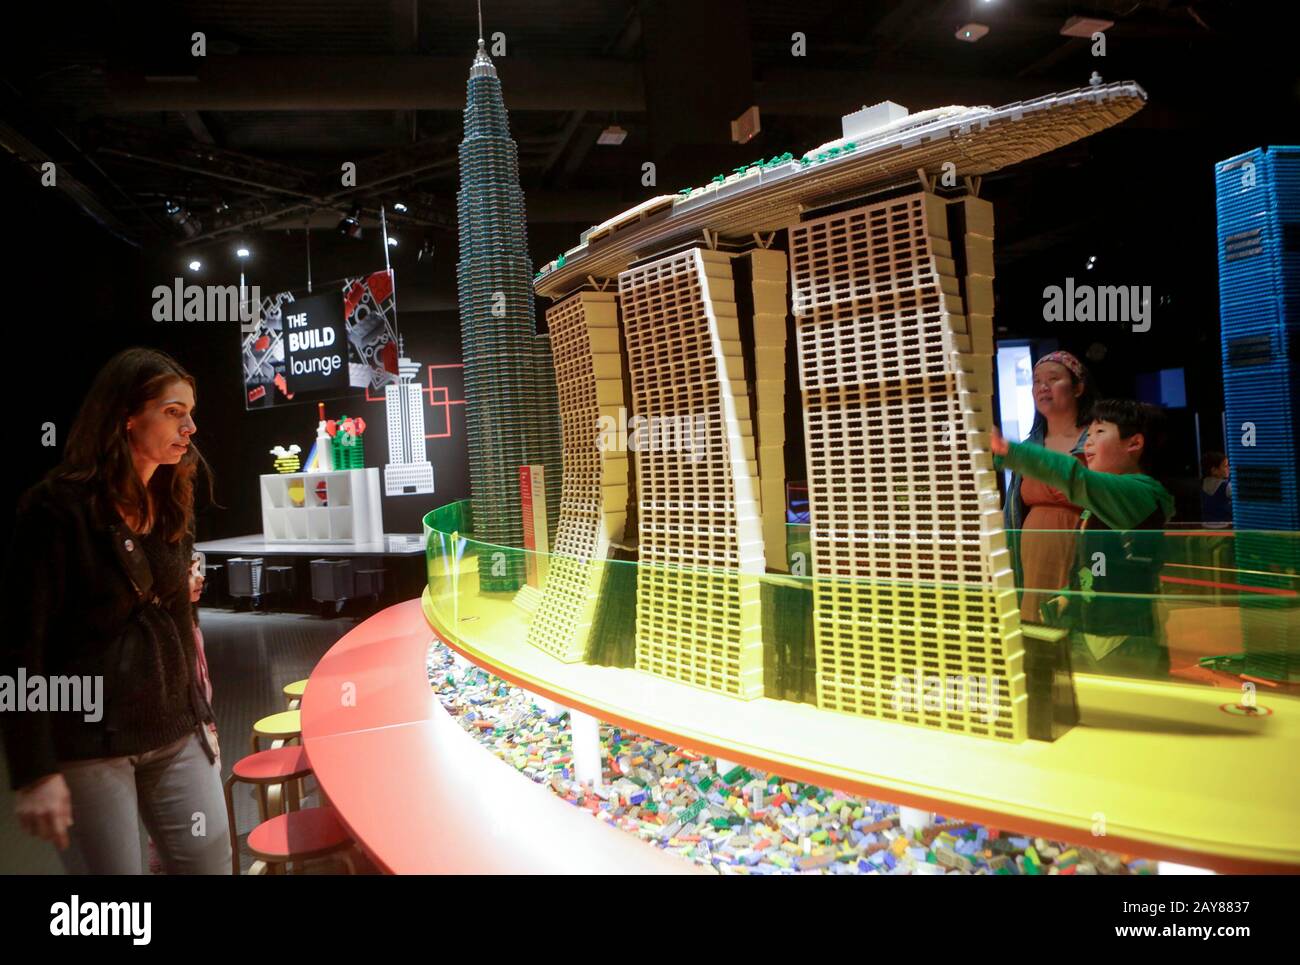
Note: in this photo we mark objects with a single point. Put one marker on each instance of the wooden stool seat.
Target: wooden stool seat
(299, 836)
(275, 766)
(286, 725)
(293, 693)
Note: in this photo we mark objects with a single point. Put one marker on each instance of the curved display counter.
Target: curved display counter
(1161, 769)
(415, 791)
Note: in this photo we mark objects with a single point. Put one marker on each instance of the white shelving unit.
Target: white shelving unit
(333, 507)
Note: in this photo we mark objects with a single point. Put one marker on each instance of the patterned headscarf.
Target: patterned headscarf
(1066, 359)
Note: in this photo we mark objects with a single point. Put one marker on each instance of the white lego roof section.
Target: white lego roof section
(868, 127)
(868, 119)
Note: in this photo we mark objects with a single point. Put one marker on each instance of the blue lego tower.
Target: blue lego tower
(1258, 201)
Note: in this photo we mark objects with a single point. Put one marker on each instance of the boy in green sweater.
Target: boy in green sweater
(1119, 547)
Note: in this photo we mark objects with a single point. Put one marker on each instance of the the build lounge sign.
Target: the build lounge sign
(315, 344)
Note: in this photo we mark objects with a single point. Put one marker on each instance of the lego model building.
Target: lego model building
(701, 546)
(409, 470)
(1259, 293)
(910, 575)
(768, 270)
(506, 372)
(593, 509)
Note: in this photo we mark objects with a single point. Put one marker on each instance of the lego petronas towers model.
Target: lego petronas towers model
(510, 390)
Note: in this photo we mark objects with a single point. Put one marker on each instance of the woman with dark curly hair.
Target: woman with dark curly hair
(98, 572)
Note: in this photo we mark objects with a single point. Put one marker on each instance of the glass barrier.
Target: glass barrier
(1209, 608)
(1150, 709)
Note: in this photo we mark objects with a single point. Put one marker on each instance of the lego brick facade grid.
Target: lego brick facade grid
(770, 269)
(593, 505)
(698, 593)
(911, 573)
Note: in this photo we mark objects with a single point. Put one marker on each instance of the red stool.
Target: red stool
(280, 765)
(298, 836)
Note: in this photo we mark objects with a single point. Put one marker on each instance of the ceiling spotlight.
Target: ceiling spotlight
(182, 219)
(195, 265)
(242, 253)
(612, 135)
(350, 225)
(392, 241)
(972, 32)
(1092, 262)
(399, 207)
(426, 250)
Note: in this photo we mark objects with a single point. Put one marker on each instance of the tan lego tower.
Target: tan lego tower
(593, 507)
(701, 545)
(770, 270)
(912, 579)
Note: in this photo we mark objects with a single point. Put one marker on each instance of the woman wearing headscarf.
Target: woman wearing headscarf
(1042, 519)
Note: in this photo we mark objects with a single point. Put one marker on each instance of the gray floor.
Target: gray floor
(250, 656)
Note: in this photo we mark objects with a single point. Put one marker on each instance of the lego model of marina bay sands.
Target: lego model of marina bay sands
(675, 312)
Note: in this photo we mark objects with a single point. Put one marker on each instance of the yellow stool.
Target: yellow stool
(293, 693)
(283, 727)
(280, 729)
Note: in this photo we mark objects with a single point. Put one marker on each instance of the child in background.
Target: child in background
(1216, 492)
(1119, 541)
(204, 681)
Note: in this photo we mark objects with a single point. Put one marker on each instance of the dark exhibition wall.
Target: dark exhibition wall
(96, 298)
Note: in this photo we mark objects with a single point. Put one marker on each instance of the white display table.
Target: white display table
(332, 507)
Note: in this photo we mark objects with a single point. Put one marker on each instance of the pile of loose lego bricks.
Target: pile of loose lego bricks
(741, 821)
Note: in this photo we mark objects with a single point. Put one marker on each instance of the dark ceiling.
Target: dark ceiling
(252, 135)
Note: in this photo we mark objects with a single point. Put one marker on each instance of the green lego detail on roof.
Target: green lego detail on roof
(741, 171)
